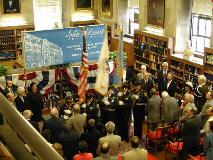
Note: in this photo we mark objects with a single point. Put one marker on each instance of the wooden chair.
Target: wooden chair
(157, 137)
(174, 148)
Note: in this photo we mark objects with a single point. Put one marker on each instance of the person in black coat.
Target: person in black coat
(200, 92)
(9, 88)
(27, 115)
(139, 99)
(162, 75)
(35, 103)
(69, 140)
(20, 100)
(147, 83)
(170, 85)
(191, 133)
(91, 136)
(54, 124)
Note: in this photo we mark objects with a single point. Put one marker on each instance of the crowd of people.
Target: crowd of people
(98, 128)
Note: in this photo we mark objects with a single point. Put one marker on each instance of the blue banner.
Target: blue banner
(52, 47)
(94, 41)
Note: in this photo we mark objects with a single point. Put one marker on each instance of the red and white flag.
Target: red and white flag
(84, 71)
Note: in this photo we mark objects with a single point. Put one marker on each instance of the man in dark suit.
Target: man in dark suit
(20, 100)
(27, 115)
(162, 75)
(69, 140)
(146, 83)
(9, 87)
(11, 6)
(200, 92)
(54, 124)
(153, 110)
(170, 85)
(191, 133)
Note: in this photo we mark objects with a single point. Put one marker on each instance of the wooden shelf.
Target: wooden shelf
(151, 49)
(10, 37)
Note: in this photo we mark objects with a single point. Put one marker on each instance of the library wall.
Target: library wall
(25, 17)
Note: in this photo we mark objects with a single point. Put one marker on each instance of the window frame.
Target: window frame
(200, 17)
(132, 21)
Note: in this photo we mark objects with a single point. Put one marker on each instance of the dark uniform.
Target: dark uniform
(139, 111)
(108, 110)
(122, 116)
(92, 109)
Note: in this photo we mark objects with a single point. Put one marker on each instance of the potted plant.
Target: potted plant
(3, 70)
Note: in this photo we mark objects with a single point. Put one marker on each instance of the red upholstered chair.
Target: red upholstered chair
(198, 157)
(175, 131)
(157, 137)
(174, 148)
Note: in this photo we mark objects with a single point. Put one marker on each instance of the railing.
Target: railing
(29, 135)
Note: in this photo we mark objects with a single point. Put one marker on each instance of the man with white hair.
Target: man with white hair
(113, 140)
(20, 100)
(187, 105)
(142, 70)
(162, 76)
(54, 124)
(170, 109)
(77, 121)
(27, 115)
(200, 92)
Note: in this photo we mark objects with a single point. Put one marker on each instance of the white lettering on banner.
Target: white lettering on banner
(95, 33)
(72, 34)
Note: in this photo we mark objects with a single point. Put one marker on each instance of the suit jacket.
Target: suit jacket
(153, 109)
(92, 137)
(200, 96)
(147, 86)
(78, 122)
(21, 105)
(6, 90)
(105, 157)
(191, 135)
(171, 89)
(69, 141)
(136, 154)
(208, 142)
(55, 125)
(161, 79)
(114, 142)
(170, 110)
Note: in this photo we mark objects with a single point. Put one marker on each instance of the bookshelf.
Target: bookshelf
(11, 42)
(208, 65)
(185, 69)
(151, 50)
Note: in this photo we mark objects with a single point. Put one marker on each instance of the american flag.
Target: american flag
(84, 71)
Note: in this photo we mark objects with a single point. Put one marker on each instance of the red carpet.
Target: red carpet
(151, 157)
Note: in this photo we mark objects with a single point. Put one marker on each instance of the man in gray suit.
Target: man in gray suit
(170, 109)
(77, 121)
(153, 110)
(105, 153)
(113, 140)
(136, 153)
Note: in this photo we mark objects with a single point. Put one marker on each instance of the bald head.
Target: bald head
(27, 114)
(135, 142)
(10, 97)
(54, 112)
(76, 108)
(105, 148)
